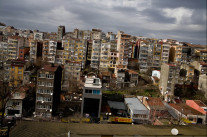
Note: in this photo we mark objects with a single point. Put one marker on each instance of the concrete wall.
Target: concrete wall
(164, 78)
(202, 84)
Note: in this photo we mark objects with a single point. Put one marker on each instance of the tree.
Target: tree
(183, 73)
(5, 95)
(6, 90)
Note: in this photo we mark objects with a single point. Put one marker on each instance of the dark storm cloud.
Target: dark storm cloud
(192, 4)
(157, 16)
(199, 17)
(136, 17)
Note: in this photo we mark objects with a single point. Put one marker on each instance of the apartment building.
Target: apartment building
(111, 36)
(6, 71)
(113, 55)
(17, 69)
(168, 78)
(35, 50)
(48, 91)
(95, 54)
(96, 34)
(145, 52)
(59, 58)
(104, 55)
(81, 34)
(75, 50)
(38, 35)
(24, 53)
(89, 51)
(45, 50)
(203, 56)
(92, 98)
(3, 52)
(166, 51)
(14, 43)
(156, 61)
(71, 74)
(133, 50)
(52, 50)
(61, 32)
(175, 53)
(123, 48)
(15, 103)
(190, 72)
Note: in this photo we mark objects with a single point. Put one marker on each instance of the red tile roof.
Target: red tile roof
(155, 102)
(14, 37)
(200, 103)
(171, 65)
(50, 68)
(186, 109)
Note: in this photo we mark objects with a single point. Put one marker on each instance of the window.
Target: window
(88, 91)
(96, 92)
(16, 94)
(19, 67)
(50, 76)
(41, 75)
(16, 103)
(49, 84)
(40, 98)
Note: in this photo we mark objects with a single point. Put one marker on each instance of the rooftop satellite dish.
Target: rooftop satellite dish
(174, 131)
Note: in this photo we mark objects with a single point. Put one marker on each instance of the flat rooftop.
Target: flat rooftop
(53, 129)
(93, 83)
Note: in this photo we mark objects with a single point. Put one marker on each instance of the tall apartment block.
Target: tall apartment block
(3, 52)
(17, 72)
(123, 48)
(59, 59)
(113, 55)
(48, 90)
(61, 32)
(92, 98)
(169, 77)
(75, 50)
(104, 55)
(165, 52)
(45, 50)
(14, 43)
(89, 51)
(71, 74)
(52, 50)
(95, 54)
(35, 50)
(145, 55)
(175, 53)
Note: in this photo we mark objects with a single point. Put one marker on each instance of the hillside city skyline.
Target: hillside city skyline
(184, 21)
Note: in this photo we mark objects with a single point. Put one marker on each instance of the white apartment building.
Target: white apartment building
(95, 54)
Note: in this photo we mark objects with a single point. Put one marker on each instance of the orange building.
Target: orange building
(23, 52)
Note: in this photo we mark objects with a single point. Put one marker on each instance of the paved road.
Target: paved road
(52, 129)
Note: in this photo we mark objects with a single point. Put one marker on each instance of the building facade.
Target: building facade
(92, 98)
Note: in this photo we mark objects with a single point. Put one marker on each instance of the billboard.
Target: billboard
(121, 120)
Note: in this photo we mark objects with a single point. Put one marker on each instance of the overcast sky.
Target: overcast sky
(184, 20)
